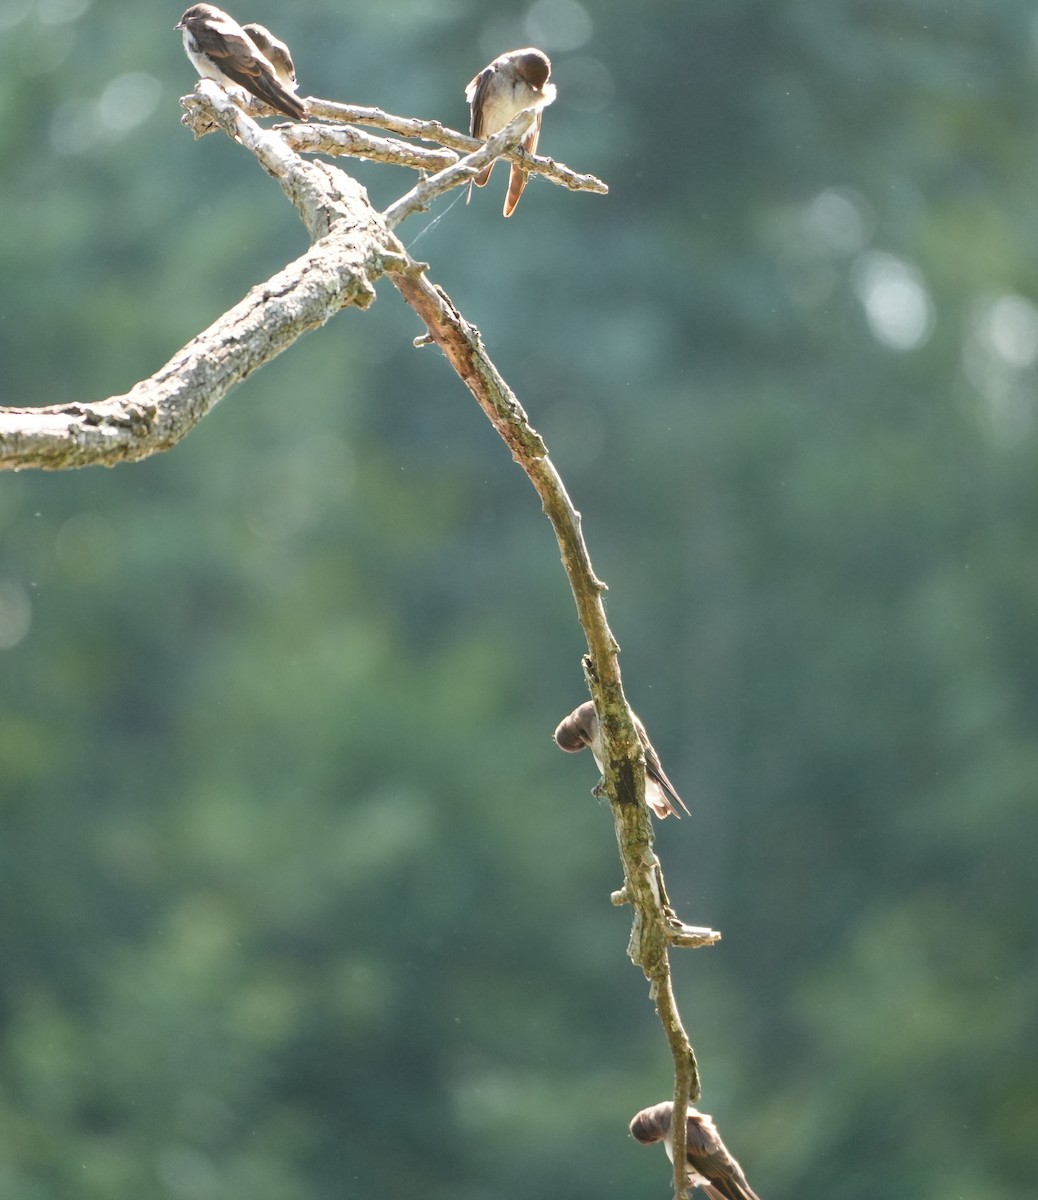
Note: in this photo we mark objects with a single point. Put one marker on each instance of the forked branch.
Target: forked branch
(352, 246)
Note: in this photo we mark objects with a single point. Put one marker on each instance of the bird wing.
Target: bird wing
(476, 95)
(656, 772)
(238, 58)
(708, 1157)
(734, 1192)
(276, 52)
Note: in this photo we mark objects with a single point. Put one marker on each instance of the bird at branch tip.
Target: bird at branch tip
(581, 728)
(500, 92)
(710, 1165)
(220, 49)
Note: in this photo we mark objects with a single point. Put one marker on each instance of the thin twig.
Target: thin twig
(422, 194)
(443, 135)
(654, 927)
(341, 140)
(413, 127)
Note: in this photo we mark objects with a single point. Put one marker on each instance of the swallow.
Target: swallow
(710, 1166)
(276, 53)
(512, 82)
(581, 728)
(220, 49)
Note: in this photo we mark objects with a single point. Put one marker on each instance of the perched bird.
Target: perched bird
(581, 728)
(710, 1166)
(512, 82)
(220, 49)
(276, 53)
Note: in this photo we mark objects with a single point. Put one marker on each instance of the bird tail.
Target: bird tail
(275, 95)
(732, 1191)
(516, 183)
(517, 178)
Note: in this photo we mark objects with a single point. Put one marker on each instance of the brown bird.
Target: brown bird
(276, 53)
(581, 728)
(710, 1166)
(511, 83)
(220, 49)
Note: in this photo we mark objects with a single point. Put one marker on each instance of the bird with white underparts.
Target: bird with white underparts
(501, 91)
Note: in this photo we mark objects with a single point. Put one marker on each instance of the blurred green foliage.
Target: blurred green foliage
(300, 899)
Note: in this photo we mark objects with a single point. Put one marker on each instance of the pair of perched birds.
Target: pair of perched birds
(250, 57)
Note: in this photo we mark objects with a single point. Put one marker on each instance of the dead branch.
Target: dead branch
(352, 246)
(349, 252)
(655, 927)
(443, 135)
(342, 140)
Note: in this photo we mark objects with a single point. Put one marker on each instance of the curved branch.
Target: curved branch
(158, 412)
(352, 246)
(655, 927)
(348, 254)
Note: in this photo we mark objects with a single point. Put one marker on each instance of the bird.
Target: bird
(710, 1166)
(581, 728)
(220, 49)
(276, 53)
(512, 82)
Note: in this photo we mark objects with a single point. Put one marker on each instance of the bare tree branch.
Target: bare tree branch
(434, 131)
(353, 246)
(655, 927)
(341, 140)
(349, 252)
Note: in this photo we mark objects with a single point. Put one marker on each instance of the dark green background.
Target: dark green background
(300, 900)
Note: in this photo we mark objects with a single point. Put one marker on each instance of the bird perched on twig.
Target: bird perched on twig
(581, 728)
(511, 83)
(220, 49)
(710, 1166)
